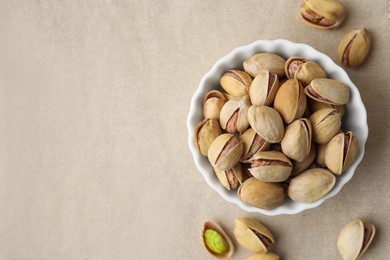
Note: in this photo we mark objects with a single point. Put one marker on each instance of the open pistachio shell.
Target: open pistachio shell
(252, 235)
(253, 143)
(234, 115)
(217, 242)
(355, 238)
(316, 105)
(322, 14)
(265, 61)
(325, 124)
(299, 167)
(296, 141)
(309, 71)
(290, 101)
(205, 133)
(341, 152)
(270, 166)
(225, 151)
(354, 47)
(292, 65)
(236, 82)
(266, 122)
(263, 256)
(328, 91)
(213, 103)
(230, 179)
(320, 158)
(311, 185)
(264, 195)
(263, 88)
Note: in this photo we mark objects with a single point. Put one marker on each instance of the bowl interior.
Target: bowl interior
(355, 118)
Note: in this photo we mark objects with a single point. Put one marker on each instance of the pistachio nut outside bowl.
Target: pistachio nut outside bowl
(355, 118)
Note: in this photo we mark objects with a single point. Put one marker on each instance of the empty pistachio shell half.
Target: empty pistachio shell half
(230, 179)
(263, 256)
(311, 185)
(265, 61)
(225, 151)
(234, 115)
(341, 152)
(253, 143)
(355, 238)
(328, 91)
(266, 122)
(290, 101)
(322, 14)
(296, 141)
(205, 133)
(325, 124)
(236, 82)
(252, 235)
(213, 103)
(264, 195)
(263, 88)
(299, 167)
(316, 105)
(270, 166)
(215, 240)
(354, 47)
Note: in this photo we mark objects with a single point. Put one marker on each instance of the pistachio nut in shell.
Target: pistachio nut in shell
(316, 105)
(263, 256)
(270, 166)
(264, 195)
(236, 82)
(213, 103)
(266, 122)
(328, 91)
(296, 141)
(252, 235)
(311, 185)
(355, 238)
(253, 143)
(354, 47)
(292, 65)
(325, 124)
(265, 61)
(341, 152)
(290, 101)
(309, 71)
(205, 133)
(299, 167)
(263, 88)
(234, 115)
(322, 14)
(225, 151)
(216, 241)
(231, 178)
(320, 157)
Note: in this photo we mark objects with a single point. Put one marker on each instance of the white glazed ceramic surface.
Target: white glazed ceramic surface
(355, 118)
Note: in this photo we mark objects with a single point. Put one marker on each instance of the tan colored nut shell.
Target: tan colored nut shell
(240, 124)
(263, 88)
(236, 82)
(351, 242)
(325, 124)
(265, 61)
(250, 148)
(263, 256)
(296, 141)
(354, 47)
(273, 172)
(328, 91)
(245, 230)
(214, 226)
(213, 103)
(316, 105)
(299, 167)
(320, 158)
(309, 71)
(264, 195)
(230, 179)
(266, 122)
(205, 133)
(311, 185)
(292, 65)
(331, 10)
(222, 159)
(290, 101)
(339, 158)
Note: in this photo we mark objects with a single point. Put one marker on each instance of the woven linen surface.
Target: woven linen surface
(94, 96)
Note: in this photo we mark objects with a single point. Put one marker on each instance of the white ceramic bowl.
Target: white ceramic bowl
(355, 118)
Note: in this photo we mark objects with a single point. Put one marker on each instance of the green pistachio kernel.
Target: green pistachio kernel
(215, 242)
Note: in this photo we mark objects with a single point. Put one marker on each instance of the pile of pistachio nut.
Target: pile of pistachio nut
(276, 130)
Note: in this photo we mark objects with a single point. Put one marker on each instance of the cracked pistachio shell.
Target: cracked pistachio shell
(230, 179)
(236, 82)
(266, 122)
(292, 65)
(341, 152)
(354, 47)
(252, 235)
(290, 101)
(270, 166)
(216, 241)
(264, 195)
(213, 103)
(225, 151)
(316, 105)
(328, 91)
(296, 141)
(322, 14)
(355, 238)
(311, 185)
(320, 158)
(234, 115)
(325, 124)
(309, 71)
(263, 88)
(263, 256)
(265, 61)
(299, 167)
(205, 133)
(253, 143)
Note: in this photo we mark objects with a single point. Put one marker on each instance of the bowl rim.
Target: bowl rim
(192, 114)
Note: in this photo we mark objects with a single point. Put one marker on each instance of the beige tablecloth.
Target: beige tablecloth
(94, 96)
